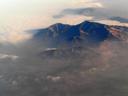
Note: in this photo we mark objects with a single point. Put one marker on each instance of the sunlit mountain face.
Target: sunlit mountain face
(63, 48)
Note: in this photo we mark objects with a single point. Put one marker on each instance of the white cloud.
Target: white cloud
(7, 56)
(112, 22)
(71, 19)
(85, 3)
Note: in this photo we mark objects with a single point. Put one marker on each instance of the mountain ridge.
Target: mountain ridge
(92, 32)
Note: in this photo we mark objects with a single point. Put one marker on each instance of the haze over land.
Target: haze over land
(63, 48)
(92, 63)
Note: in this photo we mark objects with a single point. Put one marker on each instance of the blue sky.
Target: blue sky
(19, 15)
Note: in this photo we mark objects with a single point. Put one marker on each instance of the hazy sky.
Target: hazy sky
(19, 15)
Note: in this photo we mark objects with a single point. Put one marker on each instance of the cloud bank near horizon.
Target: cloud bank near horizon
(106, 11)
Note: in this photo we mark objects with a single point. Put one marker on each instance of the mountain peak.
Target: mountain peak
(89, 22)
(59, 24)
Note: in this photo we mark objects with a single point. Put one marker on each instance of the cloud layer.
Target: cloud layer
(107, 10)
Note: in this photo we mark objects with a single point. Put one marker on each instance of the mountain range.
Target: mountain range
(86, 33)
